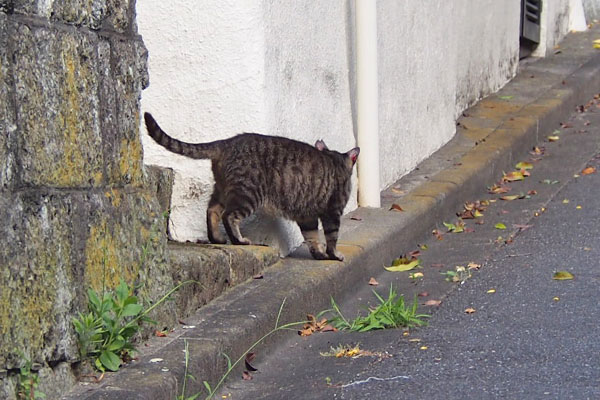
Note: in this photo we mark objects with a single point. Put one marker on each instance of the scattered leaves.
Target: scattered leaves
(438, 235)
(373, 282)
(500, 225)
(396, 207)
(345, 351)
(313, 326)
(562, 275)
(455, 228)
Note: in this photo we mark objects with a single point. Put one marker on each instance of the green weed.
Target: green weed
(106, 332)
(390, 313)
(27, 383)
(230, 366)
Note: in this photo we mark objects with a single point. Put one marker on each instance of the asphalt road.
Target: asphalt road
(532, 338)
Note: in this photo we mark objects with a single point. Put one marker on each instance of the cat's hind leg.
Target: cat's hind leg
(213, 217)
(331, 226)
(310, 231)
(232, 218)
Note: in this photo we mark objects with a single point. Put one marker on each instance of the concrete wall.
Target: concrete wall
(287, 68)
(592, 10)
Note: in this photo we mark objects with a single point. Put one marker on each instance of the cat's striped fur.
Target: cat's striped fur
(286, 177)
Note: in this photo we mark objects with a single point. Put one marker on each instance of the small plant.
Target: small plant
(390, 313)
(459, 275)
(106, 332)
(28, 383)
(230, 366)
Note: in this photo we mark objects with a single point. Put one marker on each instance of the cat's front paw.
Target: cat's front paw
(335, 255)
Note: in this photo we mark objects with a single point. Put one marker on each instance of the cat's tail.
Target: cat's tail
(191, 150)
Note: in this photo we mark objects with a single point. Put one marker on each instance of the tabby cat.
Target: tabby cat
(285, 177)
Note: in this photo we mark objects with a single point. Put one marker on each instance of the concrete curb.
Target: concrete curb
(491, 136)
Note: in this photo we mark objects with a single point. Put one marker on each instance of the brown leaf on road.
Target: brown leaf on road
(160, 333)
(432, 303)
(423, 294)
(248, 359)
(588, 171)
(356, 218)
(373, 282)
(396, 207)
(499, 189)
(438, 235)
(258, 276)
(537, 151)
(437, 265)
(513, 176)
(246, 376)
(313, 326)
(470, 310)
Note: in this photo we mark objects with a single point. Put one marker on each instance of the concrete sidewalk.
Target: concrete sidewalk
(491, 137)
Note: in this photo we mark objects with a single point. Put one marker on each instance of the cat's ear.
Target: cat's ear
(353, 154)
(320, 145)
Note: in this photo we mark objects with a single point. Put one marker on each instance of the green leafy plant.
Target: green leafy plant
(390, 313)
(27, 383)
(106, 332)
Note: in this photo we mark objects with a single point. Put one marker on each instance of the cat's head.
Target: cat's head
(351, 155)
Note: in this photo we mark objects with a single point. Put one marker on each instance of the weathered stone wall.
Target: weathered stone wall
(75, 209)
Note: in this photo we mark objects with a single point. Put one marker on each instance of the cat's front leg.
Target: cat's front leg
(331, 226)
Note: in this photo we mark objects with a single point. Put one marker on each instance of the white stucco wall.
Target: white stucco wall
(554, 25)
(435, 59)
(218, 68)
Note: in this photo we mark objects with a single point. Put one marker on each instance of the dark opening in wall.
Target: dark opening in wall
(529, 38)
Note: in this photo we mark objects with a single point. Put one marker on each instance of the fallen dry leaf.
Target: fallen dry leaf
(473, 265)
(258, 276)
(423, 294)
(470, 310)
(246, 376)
(397, 190)
(396, 207)
(588, 170)
(562, 276)
(433, 303)
(438, 235)
(553, 138)
(490, 291)
(437, 265)
(313, 326)
(373, 282)
(248, 359)
(498, 189)
(160, 333)
(356, 218)
(513, 176)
